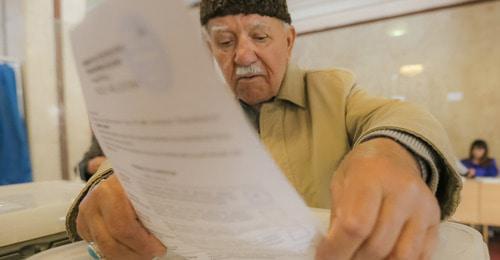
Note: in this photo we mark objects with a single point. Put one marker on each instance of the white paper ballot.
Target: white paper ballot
(192, 166)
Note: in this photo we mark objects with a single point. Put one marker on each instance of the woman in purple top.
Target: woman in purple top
(478, 163)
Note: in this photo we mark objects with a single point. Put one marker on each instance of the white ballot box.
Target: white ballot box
(32, 216)
(456, 242)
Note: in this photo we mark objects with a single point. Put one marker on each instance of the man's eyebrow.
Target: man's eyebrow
(218, 28)
(259, 25)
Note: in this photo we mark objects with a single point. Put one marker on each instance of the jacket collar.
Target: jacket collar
(293, 86)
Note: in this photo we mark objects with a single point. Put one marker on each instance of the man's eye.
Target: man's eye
(225, 43)
(261, 37)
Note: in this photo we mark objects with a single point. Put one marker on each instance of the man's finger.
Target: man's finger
(415, 234)
(388, 228)
(355, 217)
(86, 210)
(431, 242)
(338, 191)
(411, 240)
(123, 223)
(82, 229)
(107, 246)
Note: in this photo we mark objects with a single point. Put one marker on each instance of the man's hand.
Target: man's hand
(107, 218)
(381, 207)
(94, 163)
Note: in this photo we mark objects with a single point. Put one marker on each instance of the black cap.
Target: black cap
(217, 8)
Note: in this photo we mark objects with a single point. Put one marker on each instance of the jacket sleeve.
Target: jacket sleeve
(492, 170)
(366, 114)
(104, 171)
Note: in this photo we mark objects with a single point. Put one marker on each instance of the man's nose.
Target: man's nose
(245, 53)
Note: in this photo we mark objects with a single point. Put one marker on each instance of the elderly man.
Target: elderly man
(385, 168)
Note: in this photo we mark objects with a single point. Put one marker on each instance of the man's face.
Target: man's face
(253, 53)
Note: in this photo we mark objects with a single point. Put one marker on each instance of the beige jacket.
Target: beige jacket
(318, 116)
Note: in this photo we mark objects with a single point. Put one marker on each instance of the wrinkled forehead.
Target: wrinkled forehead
(233, 23)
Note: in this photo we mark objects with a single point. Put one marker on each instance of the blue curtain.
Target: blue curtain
(15, 166)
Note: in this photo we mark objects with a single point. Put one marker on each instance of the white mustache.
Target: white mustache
(252, 70)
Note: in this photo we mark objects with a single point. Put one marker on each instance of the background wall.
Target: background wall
(446, 60)
(40, 89)
(11, 29)
(27, 35)
(78, 129)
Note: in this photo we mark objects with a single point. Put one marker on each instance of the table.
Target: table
(480, 203)
(32, 216)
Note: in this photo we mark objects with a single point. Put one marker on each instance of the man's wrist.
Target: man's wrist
(386, 150)
(421, 151)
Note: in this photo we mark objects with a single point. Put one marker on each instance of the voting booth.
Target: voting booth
(32, 216)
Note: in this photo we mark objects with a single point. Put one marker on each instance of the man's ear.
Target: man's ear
(290, 38)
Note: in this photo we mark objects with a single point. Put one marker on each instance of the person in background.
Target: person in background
(479, 164)
(91, 161)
